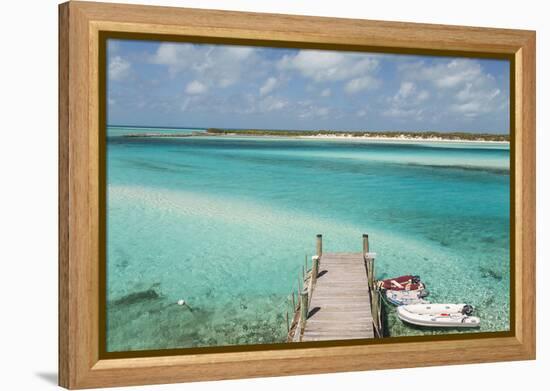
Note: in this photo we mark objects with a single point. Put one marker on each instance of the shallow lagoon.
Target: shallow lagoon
(225, 223)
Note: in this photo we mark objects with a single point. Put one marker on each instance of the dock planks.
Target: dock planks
(340, 302)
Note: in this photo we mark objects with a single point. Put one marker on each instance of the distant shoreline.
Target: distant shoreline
(370, 135)
(430, 136)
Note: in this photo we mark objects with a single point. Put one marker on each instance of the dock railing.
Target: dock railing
(306, 285)
(375, 295)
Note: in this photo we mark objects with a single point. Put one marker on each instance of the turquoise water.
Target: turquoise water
(226, 222)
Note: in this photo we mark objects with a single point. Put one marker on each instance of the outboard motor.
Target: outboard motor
(467, 310)
(424, 293)
(415, 279)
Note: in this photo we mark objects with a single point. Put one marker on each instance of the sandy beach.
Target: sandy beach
(399, 139)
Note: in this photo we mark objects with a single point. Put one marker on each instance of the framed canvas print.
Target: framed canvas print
(248, 195)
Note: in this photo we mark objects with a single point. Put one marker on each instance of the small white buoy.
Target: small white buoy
(181, 302)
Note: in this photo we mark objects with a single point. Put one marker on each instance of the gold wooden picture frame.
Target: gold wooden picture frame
(83, 30)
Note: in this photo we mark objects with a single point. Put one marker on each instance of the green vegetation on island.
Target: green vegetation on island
(458, 136)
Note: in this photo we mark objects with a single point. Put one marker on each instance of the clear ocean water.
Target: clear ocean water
(226, 222)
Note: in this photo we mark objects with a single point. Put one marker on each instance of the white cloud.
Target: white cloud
(470, 92)
(360, 84)
(174, 55)
(405, 90)
(470, 109)
(448, 74)
(458, 86)
(423, 95)
(269, 85)
(396, 112)
(118, 68)
(195, 88)
(221, 65)
(307, 109)
(473, 101)
(325, 66)
(271, 103)
(408, 95)
(406, 102)
(457, 72)
(326, 93)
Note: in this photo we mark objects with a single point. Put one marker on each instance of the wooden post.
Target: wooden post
(374, 309)
(365, 244)
(381, 310)
(370, 271)
(371, 276)
(303, 308)
(313, 275)
(374, 293)
(287, 323)
(314, 268)
(319, 245)
(293, 302)
(369, 261)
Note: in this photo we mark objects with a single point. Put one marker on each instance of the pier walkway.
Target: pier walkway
(340, 303)
(338, 298)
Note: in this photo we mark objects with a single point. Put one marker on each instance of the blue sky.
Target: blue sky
(197, 85)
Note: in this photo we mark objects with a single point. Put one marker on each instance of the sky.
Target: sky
(202, 85)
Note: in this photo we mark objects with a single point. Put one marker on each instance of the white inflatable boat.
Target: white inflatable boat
(407, 297)
(438, 315)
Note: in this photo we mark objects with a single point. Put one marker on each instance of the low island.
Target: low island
(398, 135)
(342, 134)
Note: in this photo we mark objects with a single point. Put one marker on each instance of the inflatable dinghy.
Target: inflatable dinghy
(407, 297)
(438, 315)
(401, 283)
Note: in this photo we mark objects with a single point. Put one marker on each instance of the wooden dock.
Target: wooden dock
(339, 300)
(340, 304)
